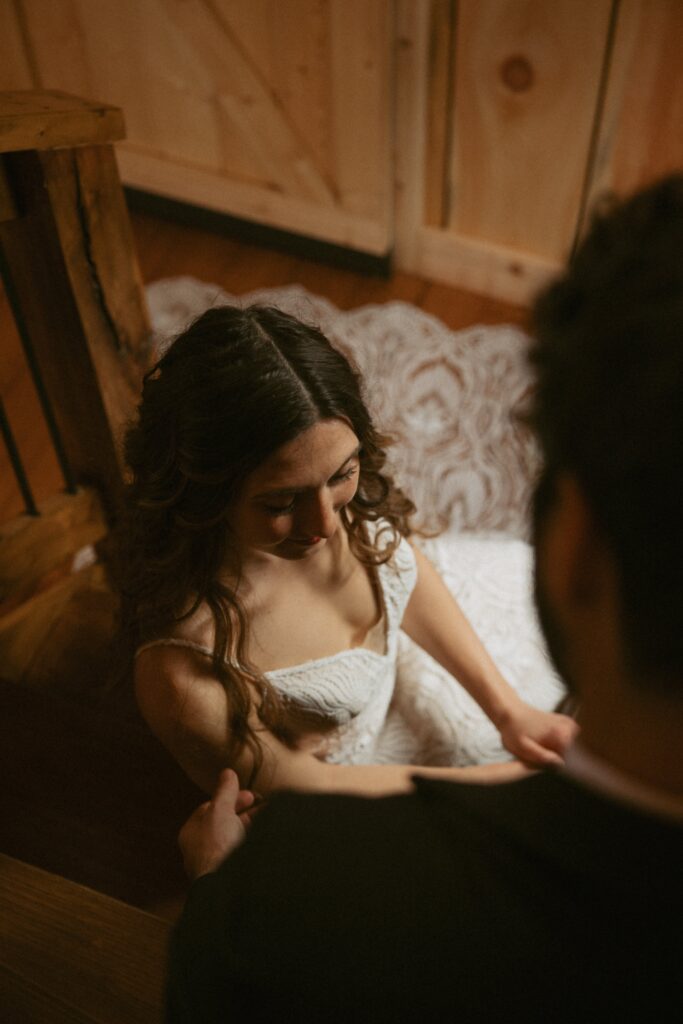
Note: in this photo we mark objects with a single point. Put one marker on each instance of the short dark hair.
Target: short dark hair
(608, 405)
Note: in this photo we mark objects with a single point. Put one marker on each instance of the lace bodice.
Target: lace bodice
(353, 687)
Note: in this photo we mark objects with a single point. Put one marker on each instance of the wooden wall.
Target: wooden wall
(525, 111)
(469, 136)
(275, 111)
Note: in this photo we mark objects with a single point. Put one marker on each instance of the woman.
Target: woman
(268, 570)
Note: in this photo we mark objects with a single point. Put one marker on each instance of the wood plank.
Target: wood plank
(76, 954)
(361, 40)
(8, 208)
(89, 332)
(47, 119)
(62, 635)
(641, 131)
(291, 45)
(527, 77)
(205, 188)
(440, 101)
(32, 546)
(509, 275)
(25, 416)
(276, 112)
(411, 61)
(169, 249)
(15, 66)
(460, 309)
(256, 120)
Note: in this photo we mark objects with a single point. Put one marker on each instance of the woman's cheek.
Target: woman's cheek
(351, 490)
(280, 527)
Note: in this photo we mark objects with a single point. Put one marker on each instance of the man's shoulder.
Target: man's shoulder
(409, 889)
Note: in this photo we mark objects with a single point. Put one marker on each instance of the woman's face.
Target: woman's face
(289, 507)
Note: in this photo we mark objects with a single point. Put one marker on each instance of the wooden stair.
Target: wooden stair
(89, 800)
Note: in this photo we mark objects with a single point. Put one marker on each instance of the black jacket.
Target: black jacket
(536, 900)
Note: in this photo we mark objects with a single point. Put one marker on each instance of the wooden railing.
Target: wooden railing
(69, 269)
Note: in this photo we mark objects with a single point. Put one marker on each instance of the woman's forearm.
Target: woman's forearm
(435, 621)
(387, 779)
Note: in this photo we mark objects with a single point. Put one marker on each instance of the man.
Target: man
(558, 897)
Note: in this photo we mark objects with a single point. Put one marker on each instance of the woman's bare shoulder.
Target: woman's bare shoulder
(174, 683)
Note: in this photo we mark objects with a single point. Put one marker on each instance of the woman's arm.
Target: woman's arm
(187, 709)
(434, 620)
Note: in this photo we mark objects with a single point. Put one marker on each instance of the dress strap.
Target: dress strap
(171, 641)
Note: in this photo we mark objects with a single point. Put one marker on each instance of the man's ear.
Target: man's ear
(571, 549)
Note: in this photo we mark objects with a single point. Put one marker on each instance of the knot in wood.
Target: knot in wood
(517, 73)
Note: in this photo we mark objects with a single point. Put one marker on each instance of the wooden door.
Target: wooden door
(514, 115)
(273, 111)
(640, 132)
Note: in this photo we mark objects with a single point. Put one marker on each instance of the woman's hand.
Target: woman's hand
(536, 737)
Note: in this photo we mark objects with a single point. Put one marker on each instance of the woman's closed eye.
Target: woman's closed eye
(279, 510)
(285, 510)
(346, 475)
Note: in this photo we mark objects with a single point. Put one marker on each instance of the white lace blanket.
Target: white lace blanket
(448, 397)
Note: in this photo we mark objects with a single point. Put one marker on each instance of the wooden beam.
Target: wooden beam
(50, 119)
(76, 293)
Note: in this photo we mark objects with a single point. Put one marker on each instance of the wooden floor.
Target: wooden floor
(167, 249)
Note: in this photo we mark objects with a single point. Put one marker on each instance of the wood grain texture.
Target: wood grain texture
(72, 249)
(526, 84)
(252, 202)
(513, 276)
(641, 130)
(71, 954)
(440, 101)
(275, 112)
(61, 635)
(411, 62)
(47, 119)
(15, 65)
(25, 416)
(32, 546)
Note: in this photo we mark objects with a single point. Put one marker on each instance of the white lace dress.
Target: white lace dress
(468, 463)
(355, 687)
(395, 704)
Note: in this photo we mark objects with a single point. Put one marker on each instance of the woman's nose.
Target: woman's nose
(321, 518)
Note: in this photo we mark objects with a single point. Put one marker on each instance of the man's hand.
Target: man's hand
(216, 827)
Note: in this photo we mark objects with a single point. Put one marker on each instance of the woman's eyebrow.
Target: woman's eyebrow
(279, 492)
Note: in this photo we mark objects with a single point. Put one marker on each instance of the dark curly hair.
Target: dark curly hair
(232, 388)
(608, 406)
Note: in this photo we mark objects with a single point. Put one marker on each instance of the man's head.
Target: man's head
(608, 412)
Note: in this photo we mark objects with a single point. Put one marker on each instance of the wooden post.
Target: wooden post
(71, 272)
